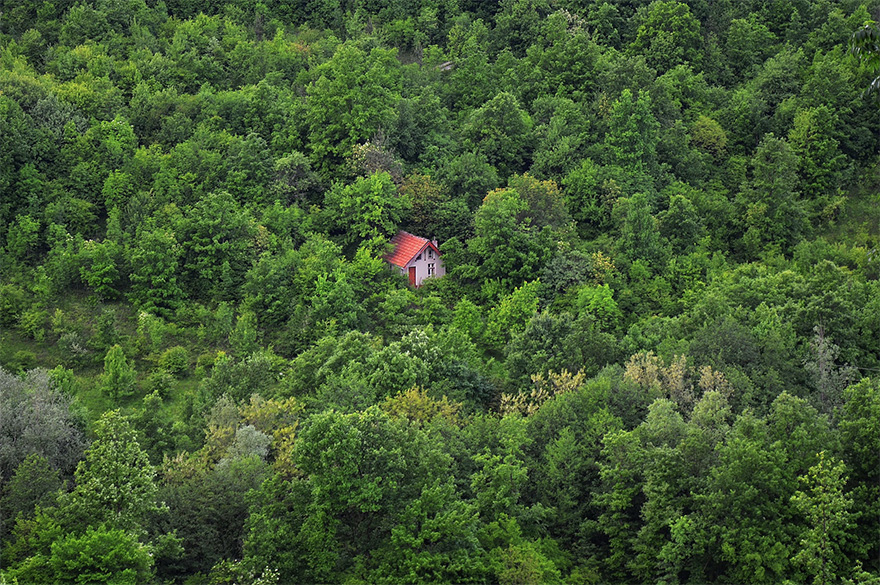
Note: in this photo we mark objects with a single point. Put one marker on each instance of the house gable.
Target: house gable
(417, 257)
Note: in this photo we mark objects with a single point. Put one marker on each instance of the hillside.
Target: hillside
(654, 355)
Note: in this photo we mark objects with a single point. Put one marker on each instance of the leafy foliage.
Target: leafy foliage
(644, 363)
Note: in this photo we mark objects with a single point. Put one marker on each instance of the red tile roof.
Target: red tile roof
(406, 246)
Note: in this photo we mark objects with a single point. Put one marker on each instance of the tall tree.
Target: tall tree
(770, 205)
(827, 509)
(633, 134)
(669, 35)
(351, 99)
(368, 209)
(115, 482)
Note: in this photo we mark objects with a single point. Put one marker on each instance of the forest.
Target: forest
(654, 356)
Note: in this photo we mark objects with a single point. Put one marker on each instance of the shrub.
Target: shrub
(175, 361)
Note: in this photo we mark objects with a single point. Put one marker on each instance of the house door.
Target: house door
(412, 275)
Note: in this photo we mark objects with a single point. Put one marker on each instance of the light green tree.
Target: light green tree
(115, 483)
(101, 555)
(512, 314)
(367, 209)
(827, 509)
(119, 375)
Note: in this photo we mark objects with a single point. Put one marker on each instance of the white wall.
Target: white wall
(422, 265)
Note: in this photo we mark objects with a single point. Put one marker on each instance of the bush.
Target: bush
(159, 382)
(33, 323)
(24, 360)
(74, 349)
(12, 303)
(175, 361)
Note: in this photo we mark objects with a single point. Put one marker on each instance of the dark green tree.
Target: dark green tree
(865, 44)
(633, 134)
(34, 484)
(770, 204)
(640, 236)
(155, 260)
(669, 35)
(501, 131)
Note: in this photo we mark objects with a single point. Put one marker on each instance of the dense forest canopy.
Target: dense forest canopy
(655, 355)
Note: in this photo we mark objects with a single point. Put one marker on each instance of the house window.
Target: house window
(431, 269)
(419, 257)
(430, 253)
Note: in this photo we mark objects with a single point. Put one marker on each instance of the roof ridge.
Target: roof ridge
(406, 247)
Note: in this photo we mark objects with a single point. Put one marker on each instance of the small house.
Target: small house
(419, 258)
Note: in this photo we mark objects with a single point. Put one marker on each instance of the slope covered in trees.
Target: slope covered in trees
(654, 356)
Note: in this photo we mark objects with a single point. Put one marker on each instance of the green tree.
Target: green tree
(512, 314)
(103, 148)
(368, 209)
(362, 469)
(119, 376)
(518, 23)
(18, 139)
(101, 555)
(249, 167)
(865, 44)
(770, 206)
(34, 484)
(860, 435)
(506, 245)
(501, 131)
(217, 241)
(270, 289)
(708, 135)
(562, 136)
(155, 260)
(243, 338)
(598, 302)
(100, 267)
(827, 510)
(748, 43)
(640, 236)
(352, 97)
(115, 483)
(545, 204)
(469, 176)
(471, 80)
(434, 541)
(207, 502)
(294, 181)
(681, 224)
(820, 162)
(633, 134)
(669, 35)
(591, 191)
(175, 361)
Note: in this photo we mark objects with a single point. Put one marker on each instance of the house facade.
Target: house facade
(418, 258)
